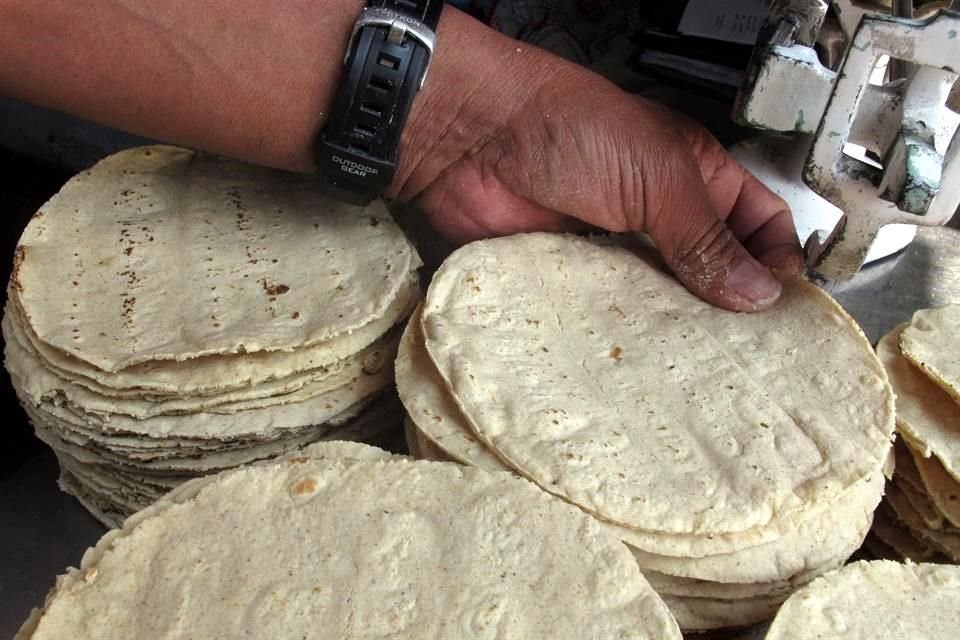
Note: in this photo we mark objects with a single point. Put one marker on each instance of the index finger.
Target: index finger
(759, 218)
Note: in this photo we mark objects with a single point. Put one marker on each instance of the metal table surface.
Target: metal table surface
(42, 530)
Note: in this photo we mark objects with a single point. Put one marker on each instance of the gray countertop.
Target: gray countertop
(42, 530)
(926, 274)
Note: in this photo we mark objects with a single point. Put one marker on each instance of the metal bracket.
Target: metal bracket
(905, 123)
(918, 185)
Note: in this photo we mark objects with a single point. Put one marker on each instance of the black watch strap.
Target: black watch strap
(385, 65)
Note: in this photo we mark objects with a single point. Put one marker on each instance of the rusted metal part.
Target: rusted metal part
(790, 93)
(912, 175)
(903, 124)
(914, 164)
(784, 69)
(805, 15)
(919, 183)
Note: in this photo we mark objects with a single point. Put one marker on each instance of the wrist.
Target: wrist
(478, 80)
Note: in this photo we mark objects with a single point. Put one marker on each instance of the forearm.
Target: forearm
(249, 79)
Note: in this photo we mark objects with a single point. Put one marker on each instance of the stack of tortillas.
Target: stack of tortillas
(920, 517)
(172, 314)
(878, 599)
(354, 543)
(738, 455)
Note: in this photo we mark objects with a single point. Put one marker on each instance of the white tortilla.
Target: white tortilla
(878, 599)
(899, 540)
(945, 540)
(922, 505)
(263, 260)
(932, 343)
(826, 537)
(439, 428)
(303, 407)
(815, 538)
(696, 615)
(927, 416)
(942, 487)
(400, 549)
(39, 383)
(645, 405)
(165, 382)
(369, 419)
(906, 468)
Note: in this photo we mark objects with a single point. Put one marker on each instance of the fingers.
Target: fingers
(775, 244)
(707, 257)
(758, 217)
(559, 163)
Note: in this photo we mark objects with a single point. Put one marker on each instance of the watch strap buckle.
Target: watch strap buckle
(400, 26)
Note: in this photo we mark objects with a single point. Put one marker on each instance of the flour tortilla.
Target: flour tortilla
(945, 540)
(922, 505)
(706, 614)
(828, 536)
(906, 468)
(174, 385)
(304, 407)
(877, 599)
(439, 428)
(264, 260)
(931, 342)
(39, 382)
(440, 432)
(374, 417)
(397, 548)
(667, 585)
(927, 417)
(645, 405)
(898, 538)
(942, 488)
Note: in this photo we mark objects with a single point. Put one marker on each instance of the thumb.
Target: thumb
(708, 259)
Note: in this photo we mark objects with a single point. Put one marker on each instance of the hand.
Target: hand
(578, 152)
(503, 138)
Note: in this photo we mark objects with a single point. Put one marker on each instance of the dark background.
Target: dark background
(26, 184)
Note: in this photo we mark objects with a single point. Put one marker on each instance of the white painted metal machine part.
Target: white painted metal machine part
(778, 162)
(904, 123)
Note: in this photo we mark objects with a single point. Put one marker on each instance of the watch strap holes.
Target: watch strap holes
(409, 5)
(380, 83)
(388, 61)
(371, 109)
(364, 130)
(359, 145)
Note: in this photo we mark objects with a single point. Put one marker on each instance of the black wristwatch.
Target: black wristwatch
(385, 65)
